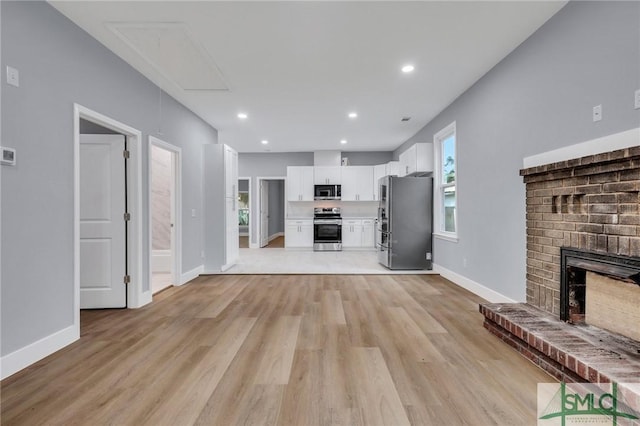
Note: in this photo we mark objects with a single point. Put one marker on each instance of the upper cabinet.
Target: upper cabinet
(300, 183)
(357, 183)
(230, 172)
(417, 160)
(378, 171)
(327, 175)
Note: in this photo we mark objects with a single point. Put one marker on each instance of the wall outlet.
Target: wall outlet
(637, 99)
(464, 262)
(202, 254)
(597, 113)
(13, 77)
(193, 212)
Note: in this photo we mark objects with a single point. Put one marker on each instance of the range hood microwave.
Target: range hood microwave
(327, 192)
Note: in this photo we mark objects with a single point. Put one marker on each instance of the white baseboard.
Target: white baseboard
(276, 235)
(490, 295)
(161, 261)
(254, 245)
(24, 357)
(189, 275)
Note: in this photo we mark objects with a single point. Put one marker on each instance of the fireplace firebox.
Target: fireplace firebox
(574, 264)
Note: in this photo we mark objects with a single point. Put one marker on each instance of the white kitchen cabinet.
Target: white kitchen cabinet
(298, 233)
(220, 215)
(358, 233)
(381, 170)
(300, 183)
(378, 171)
(418, 159)
(368, 233)
(351, 233)
(327, 175)
(393, 168)
(357, 183)
(232, 231)
(230, 172)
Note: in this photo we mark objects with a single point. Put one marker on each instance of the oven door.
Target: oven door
(327, 234)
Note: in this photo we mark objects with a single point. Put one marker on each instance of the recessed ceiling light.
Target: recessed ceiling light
(264, 142)
(353, 115)
(407, 68)
(242, 115)
(343, 141)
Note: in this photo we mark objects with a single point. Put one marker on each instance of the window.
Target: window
(445, 196)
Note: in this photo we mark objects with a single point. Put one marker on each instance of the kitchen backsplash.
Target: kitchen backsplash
(349, 208)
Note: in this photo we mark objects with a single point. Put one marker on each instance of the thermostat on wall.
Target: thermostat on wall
(8, 156)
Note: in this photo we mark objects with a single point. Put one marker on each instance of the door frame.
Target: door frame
(138, 290)
(176, 206)
(263, 235)
(248, 178)
(284, 207)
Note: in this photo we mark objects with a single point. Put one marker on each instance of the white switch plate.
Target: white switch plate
(637, 99)
(193, 212)
(13, 77)
(597, 113)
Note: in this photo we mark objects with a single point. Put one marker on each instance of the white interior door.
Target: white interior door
(264, 213)
(102, 225)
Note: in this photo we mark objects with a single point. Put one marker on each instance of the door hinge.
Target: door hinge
(127, 279)
(127, 217)
(126, 153)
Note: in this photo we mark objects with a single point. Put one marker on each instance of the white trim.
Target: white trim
(34, 352)
(189, 275)
(445, 237)
(254, 245)
(276, 235)
(438, 202)
(177, 205)
(478, 289)
(136, 295)
(626, 139)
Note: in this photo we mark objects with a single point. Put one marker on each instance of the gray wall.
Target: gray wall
(60, 64)
(276, 206)
(90, 128)
(537, 99)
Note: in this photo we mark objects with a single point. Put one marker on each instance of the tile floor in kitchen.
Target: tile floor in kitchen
(283, 261)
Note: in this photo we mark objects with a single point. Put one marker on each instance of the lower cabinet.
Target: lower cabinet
(298, 234)
(358, 233)
(368, 233)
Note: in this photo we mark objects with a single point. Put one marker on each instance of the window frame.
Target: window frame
(439, 187)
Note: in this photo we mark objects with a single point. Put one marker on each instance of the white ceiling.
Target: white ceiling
(298, 68)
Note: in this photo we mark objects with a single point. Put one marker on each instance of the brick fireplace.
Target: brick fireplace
(590, 203)
(583, 223)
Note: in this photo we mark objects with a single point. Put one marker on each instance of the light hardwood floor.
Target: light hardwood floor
(283, 349)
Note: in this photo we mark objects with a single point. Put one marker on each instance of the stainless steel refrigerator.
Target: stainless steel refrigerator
(405, 222)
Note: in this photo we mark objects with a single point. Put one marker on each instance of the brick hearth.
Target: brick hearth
(569, 353)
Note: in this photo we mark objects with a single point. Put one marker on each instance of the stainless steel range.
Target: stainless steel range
(327, 229)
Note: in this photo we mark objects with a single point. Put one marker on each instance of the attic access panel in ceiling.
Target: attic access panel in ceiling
(172, 50)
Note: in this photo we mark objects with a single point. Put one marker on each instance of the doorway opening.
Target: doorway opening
(97, 247)
(271, 212)
(244, 212)
(164, 215)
